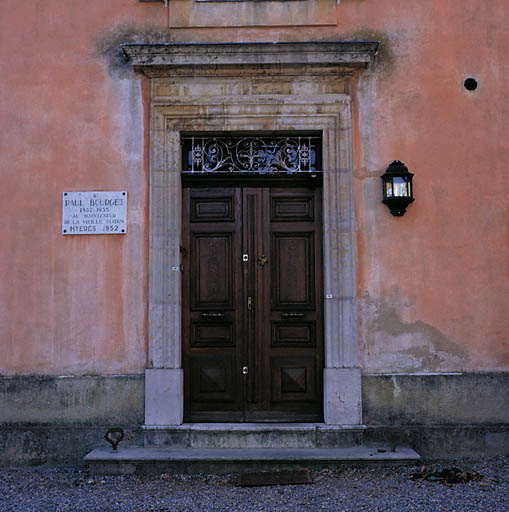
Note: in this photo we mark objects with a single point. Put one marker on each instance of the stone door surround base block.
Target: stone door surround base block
(342, 396)
(164, 389)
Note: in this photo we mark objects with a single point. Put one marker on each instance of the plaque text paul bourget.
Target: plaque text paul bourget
(94, 213)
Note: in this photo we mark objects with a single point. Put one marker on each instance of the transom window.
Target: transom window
(258, 154)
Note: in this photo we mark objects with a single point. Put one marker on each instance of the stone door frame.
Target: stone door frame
(238, 110)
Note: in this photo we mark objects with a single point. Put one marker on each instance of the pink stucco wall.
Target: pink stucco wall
(433, 286)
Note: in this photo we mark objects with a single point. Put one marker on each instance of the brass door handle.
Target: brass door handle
(262, 260)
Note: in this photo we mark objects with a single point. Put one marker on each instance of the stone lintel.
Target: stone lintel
(145, 56)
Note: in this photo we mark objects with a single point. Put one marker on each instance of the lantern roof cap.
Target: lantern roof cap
(397, 167)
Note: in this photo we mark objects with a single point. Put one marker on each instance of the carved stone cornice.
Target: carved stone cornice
(153, 59)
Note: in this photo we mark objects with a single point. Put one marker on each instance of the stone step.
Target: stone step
(253, 435)
(132, 460)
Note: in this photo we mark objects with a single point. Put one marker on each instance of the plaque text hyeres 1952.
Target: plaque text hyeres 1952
(94, 213)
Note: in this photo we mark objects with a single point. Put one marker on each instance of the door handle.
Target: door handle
(262, 261)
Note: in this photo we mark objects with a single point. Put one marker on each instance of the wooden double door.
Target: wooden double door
(252, 304)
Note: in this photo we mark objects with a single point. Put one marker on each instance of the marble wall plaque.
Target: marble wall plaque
(94, 213)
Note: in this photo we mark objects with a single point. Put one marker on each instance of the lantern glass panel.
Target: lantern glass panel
(400, 187)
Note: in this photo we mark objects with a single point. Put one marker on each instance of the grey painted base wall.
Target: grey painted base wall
(447, 415)
(439, 399)
(55, 420)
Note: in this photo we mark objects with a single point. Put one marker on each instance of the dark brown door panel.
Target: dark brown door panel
(213, 378)
(293, 379)
(293, 270)
(293, 334)
(212, 270)
(212, 334)
(294, 207)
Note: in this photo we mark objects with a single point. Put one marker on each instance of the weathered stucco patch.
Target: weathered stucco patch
(108, 44)
(384, 54)
(388, 343)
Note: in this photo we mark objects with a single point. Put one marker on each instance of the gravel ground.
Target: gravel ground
(347, 489)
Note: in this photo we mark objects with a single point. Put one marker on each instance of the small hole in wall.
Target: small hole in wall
(470, 84)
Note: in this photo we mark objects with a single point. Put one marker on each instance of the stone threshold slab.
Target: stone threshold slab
(135, 460)
(374, 453)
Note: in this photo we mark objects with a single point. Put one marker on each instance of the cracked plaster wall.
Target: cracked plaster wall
(391, 344)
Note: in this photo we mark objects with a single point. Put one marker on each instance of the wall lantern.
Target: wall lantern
(397, 188)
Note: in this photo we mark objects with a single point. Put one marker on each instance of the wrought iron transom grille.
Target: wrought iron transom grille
(252, 154)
